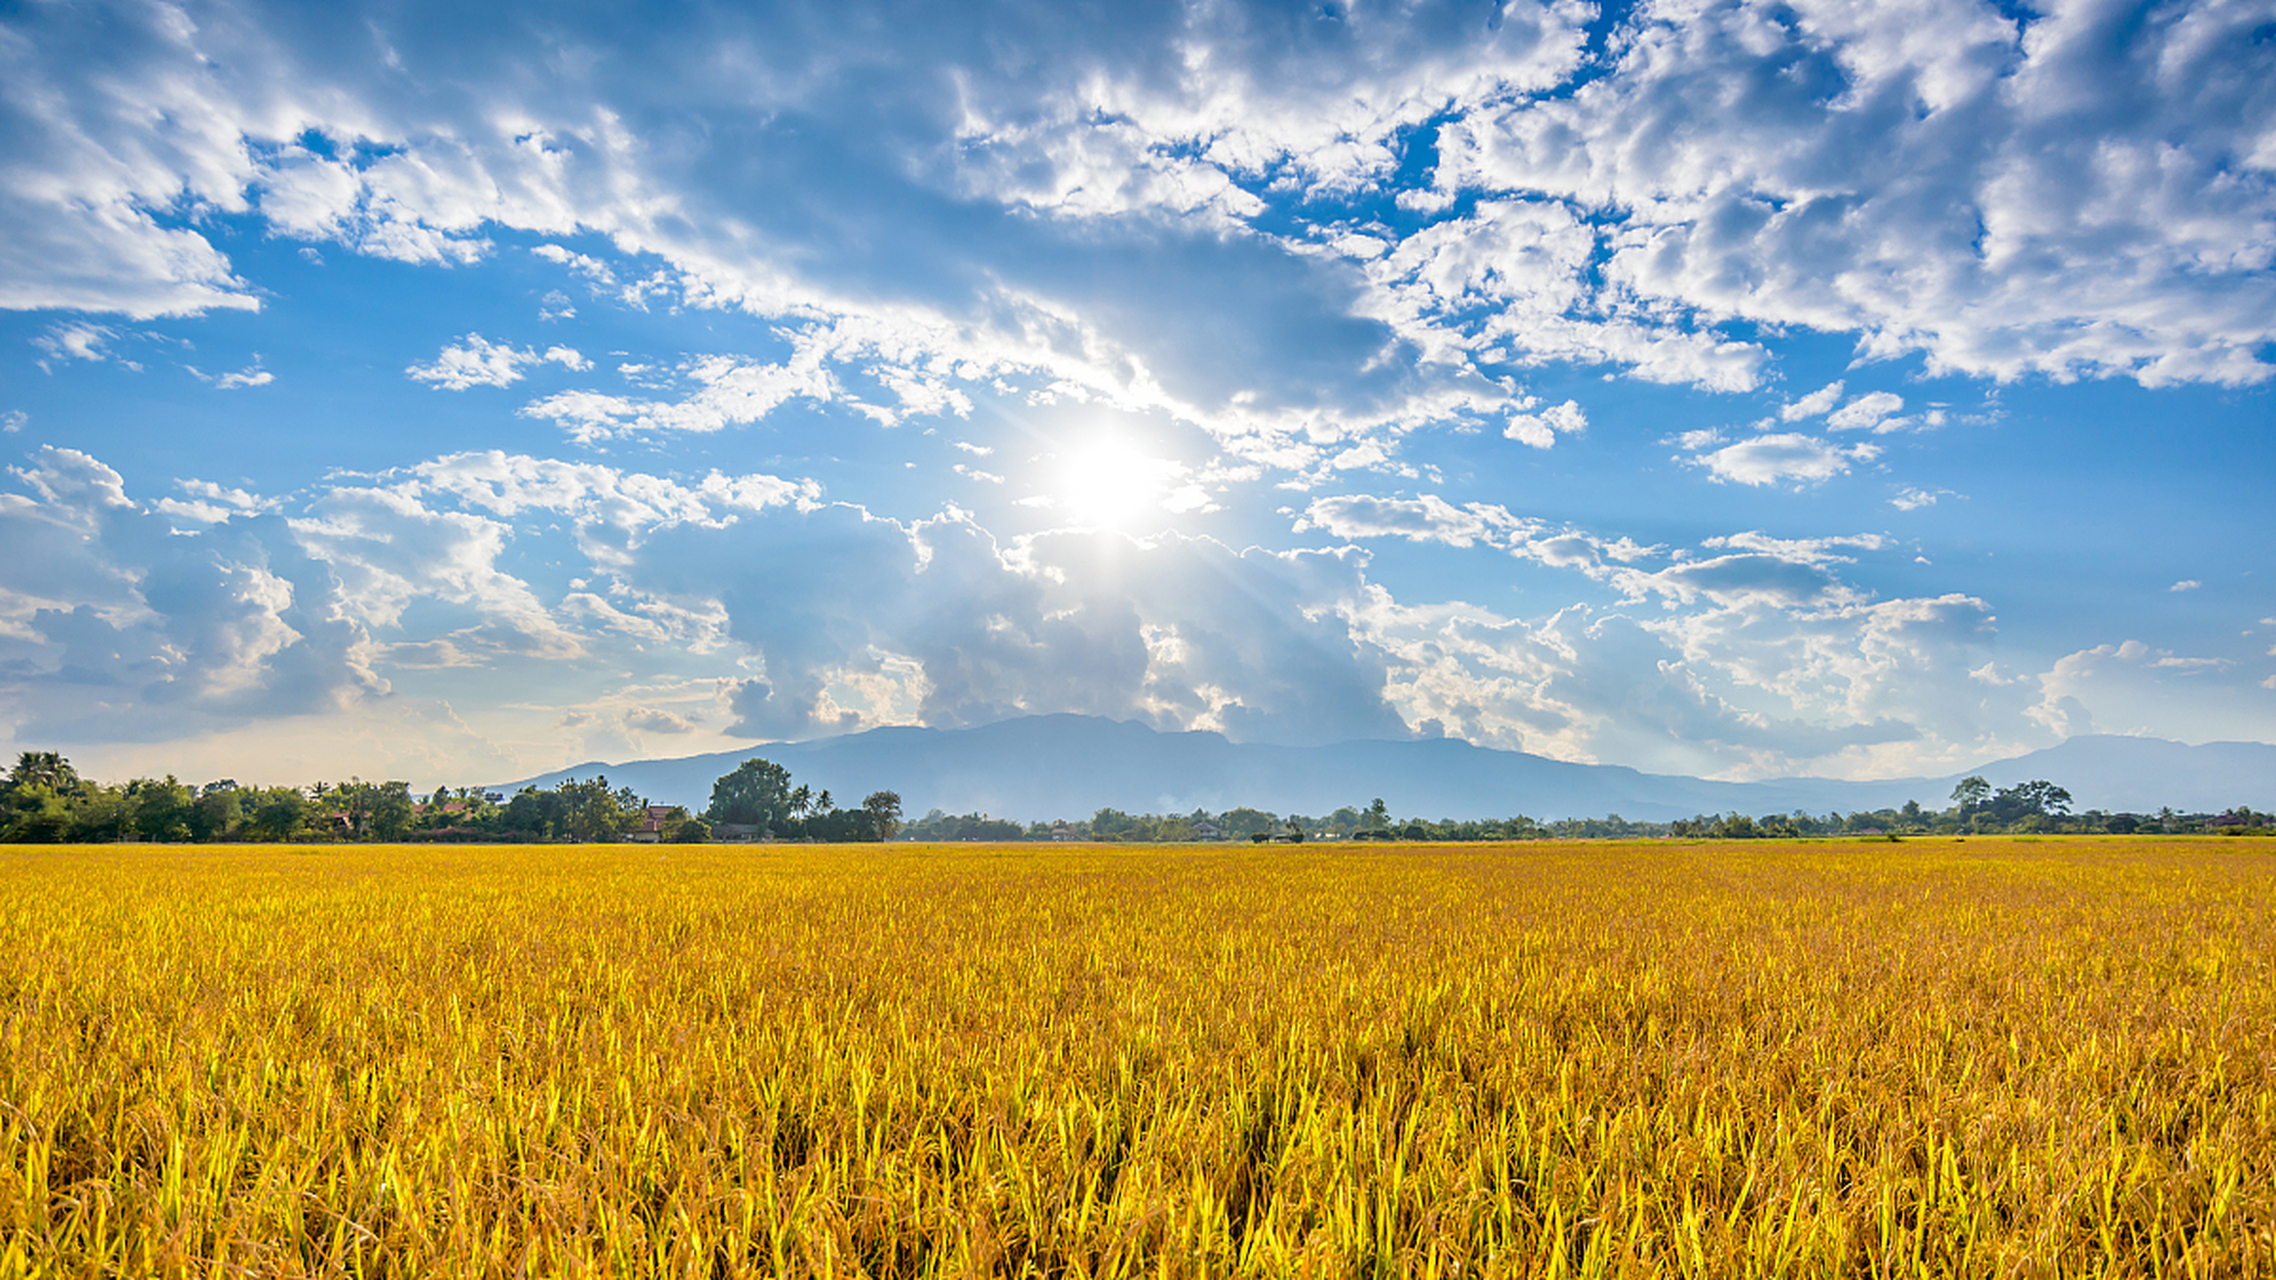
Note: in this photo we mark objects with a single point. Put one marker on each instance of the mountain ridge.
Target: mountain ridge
(1068, 766)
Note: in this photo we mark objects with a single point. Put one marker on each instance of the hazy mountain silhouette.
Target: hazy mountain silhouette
(1068, 766)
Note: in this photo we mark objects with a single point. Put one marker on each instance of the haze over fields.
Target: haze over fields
(1041, 767)
(1736, 390)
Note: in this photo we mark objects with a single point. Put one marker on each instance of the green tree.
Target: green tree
(392, 810)
(159, 808)
(591, 812)
(681, 827)
(32, 813)
(44, 769)
(884, 810)
(1246, 822)
(1972, 794)
(1114, 824)
(277, 814)
(2034, 799)
(218, 813)
(756, 794)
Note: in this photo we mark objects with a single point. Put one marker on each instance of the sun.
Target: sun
(1108, 482)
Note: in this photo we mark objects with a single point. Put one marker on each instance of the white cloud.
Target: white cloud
(75, 340)
(2134, 687)
(13, 421)
(1426, 519)
(1539, 429)
(1912, 499)
(612, 510)
(1800, 550)
(1751, 654)
(252, 375)
(593, 269)
(1161, 212)
(2186, 584)
(1769, 459)
(1748, 687)
(1813, 404)
(116, 624)
(1753, 570)
(728, 392)
(1870, 412)
(657, 720)
(475, 361)
(209, 503)
(2006, 194)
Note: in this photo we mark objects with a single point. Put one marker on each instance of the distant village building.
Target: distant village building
(1061, 831)
(651, 828)
(1207, 831)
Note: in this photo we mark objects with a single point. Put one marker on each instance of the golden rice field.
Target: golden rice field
(1979, 1058)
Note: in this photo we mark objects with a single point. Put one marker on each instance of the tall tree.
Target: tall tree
(884, 810)
(277, 814)
(44, 769)
(2036, 797)
(756, 794)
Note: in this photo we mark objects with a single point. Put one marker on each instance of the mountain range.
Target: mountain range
(1069, 766)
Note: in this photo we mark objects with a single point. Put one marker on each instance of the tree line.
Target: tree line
(44, 800)
(2037, 806)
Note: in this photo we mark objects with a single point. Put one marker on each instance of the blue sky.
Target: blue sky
(1736, 389)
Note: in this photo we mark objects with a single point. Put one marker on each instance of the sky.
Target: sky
(455, 392)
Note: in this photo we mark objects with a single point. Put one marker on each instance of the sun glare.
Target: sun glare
(1110, 483)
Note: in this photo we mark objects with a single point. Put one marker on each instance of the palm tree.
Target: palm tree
(43, 769)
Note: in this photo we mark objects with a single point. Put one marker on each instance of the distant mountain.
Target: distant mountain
(1066, 766)
(2138, 775)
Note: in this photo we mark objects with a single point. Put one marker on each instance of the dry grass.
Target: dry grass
(1935, 1058)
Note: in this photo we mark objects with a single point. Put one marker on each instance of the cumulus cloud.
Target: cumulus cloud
(2186, 584)
(210, 503)
(474, 361)
(611, 510)
(1780, 456)
(1751, 688)
(2006, 194)
(1873, 412)
(1747, 654)
(657, 720)
(1184, 213)
(953, 627)
(2003, 194)
(1426, 519)
(2130, 686)
(1539, 428)
(1810, 406)
(114, 625)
